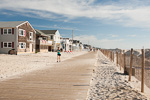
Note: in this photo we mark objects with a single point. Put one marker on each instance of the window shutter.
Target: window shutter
(12, 44)
(2, 31)
(12, 30)
(1, 44)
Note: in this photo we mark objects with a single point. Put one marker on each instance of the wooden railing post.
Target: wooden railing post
(116, 58)
(124, 61)
(131, 62)
(143, 71)
(113, 57)
(120, 59)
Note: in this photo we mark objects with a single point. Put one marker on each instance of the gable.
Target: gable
(26, 24)
(57, 33)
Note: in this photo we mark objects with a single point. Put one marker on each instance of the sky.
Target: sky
(106, 24)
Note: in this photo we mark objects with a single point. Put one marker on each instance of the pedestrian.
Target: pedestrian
(58, 54)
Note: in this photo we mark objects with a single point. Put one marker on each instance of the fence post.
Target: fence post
(113, 57)
(143, 70)
(131, 62)
(120, 59)
(124, 63)
(117, 58)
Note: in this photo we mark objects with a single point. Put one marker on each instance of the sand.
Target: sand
(109, 83)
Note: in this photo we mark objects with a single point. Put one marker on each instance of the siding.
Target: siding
(28, 29)
(8, 38)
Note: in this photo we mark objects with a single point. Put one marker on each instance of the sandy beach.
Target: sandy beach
(12, 65)
(109, 83)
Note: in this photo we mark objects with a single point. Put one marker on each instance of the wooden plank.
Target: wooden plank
(124, 60)
(131, 62)
(120, 59)
(143, 70)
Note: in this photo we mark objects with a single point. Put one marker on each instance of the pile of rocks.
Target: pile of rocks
(108, 83)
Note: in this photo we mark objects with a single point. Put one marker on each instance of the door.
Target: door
(49, 48)
(31, 48)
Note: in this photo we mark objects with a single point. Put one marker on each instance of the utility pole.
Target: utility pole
(72, 40)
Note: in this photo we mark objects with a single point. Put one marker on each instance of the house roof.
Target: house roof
(76, 41)
(11, 23)
(38, 32)
(64, 38)
(49, 31)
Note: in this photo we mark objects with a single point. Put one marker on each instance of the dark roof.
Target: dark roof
(38, 32)
(64, 38)
(76, 41)
(11, 23)
(49, 31)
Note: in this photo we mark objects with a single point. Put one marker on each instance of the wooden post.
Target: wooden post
(143, 71)
(131, 62)
(117, 58)
(124, 60)
(113, 56)
(120, 59)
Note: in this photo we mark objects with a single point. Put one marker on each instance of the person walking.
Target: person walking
(58, 54)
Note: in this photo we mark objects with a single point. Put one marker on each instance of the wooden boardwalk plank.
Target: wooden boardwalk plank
(68, 80)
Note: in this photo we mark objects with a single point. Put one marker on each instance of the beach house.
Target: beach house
(43, 42)
(65, 44)
(54, 36)
(76, 45)
(17, 36)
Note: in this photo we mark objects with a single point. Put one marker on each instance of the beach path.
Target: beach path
(67, 80)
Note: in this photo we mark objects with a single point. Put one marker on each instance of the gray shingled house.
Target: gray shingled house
(18, 36)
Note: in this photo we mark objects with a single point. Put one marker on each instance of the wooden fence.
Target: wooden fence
(131, 64)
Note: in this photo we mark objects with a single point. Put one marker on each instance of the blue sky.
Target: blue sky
(108, 24)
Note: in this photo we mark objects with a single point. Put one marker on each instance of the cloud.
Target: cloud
(55, 27)
(131, 35)
(132, 13)
(103, 43)
(112, 35)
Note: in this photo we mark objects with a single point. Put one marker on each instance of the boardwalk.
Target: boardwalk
(67, 80)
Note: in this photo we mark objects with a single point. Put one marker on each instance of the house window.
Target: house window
(7, 44)
(7, 31)
(51, 37)
(21, 32)
(31, 36)
(22, 45)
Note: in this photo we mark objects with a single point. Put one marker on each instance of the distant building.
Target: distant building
(54, 36)
(43, 42)
(87, 47)
(65, 44)
(17, 36)
(76, 45)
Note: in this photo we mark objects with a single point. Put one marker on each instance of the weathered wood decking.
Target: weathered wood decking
(68, 80)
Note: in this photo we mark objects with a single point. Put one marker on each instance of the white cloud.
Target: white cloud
(132, 13)
(112, 35)
(131, 35)
(112, 43)
(103, 43)
(55, 27)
